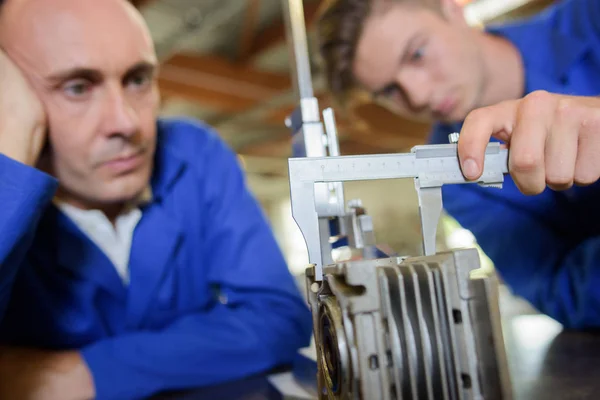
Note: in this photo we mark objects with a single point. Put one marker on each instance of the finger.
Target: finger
(561, 147)
(587, 166)
(528, 142)
(479, 126)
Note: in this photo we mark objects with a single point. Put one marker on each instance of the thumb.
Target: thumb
(479, 126)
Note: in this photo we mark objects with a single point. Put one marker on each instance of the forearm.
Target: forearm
(24, 194)
(45, 375)
(67, 377)
(529, 243)
(201, 349)
(571, 292)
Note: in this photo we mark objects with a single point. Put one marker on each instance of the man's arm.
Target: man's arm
(226, 343)
(24, 191)
(550, 40)
(43, 375)
(553, 140)
(24, 194)
(538, 259)
(259, 322)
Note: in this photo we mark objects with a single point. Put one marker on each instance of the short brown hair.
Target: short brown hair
(339, 27)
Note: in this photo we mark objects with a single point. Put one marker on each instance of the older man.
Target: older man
(142, 261)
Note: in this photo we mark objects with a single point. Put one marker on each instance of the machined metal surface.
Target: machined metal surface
(408, 328)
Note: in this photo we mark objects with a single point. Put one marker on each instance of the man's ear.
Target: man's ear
(453, 11)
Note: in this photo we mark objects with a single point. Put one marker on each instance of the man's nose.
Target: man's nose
(416, 88)
(120, 117)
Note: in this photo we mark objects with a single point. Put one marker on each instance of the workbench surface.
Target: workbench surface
(545, 361)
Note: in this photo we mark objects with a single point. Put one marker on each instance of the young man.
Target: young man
(422, 60)
(142, 261)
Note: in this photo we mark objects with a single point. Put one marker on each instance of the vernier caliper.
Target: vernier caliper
(431, 167)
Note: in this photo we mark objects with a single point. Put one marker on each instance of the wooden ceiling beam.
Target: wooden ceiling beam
(279, 146)
(275, 35)
(248, 31)
(373, 121)
(352, 141)
(206, 97)
(353, 145)
(376, 118)
(218, 83)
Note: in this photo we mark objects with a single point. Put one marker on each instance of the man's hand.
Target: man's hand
(44, 375)
(22, 117)
(553, 140)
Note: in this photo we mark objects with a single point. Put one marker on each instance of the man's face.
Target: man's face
(92, 64)
(419, 64)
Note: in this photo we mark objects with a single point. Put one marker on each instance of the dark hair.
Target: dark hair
(339, 27)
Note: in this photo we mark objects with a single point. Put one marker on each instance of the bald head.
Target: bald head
(55, 28)
(93, 64)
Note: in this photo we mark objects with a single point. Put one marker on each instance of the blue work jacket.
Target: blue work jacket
(210, 296)
(545, 247)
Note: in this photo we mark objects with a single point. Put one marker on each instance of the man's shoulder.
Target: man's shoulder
(553, 41)
(191, 139)
(186, 134)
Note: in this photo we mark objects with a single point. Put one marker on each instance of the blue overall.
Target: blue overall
(210, 296)
(545, 247)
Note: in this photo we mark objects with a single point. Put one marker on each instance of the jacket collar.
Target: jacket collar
(168, 164)
(78, 254)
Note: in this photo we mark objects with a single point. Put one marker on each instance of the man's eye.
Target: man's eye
(389, 90)
(417, 54)
(77, 88)
(139, 80)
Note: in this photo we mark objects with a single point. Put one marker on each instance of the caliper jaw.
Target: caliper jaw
(429, 183)
(430, 211)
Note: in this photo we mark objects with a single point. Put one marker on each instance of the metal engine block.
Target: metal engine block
(408, 328)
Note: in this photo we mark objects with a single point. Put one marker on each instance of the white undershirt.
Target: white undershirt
(113, 240)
